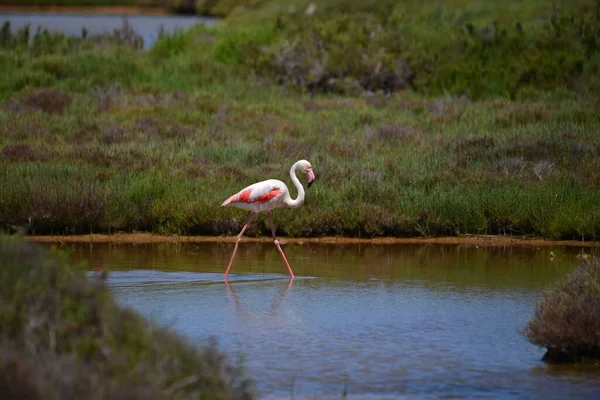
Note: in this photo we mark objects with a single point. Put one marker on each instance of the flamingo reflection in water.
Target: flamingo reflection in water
(241, 308)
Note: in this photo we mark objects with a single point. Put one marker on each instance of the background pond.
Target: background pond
(147, 26)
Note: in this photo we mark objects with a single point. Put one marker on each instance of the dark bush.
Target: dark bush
(567, 320)
(344, 54)
(62, 335)
(50, 100)
(22, 153)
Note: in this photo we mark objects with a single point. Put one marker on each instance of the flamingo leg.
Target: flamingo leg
(279, 247)
(237, 242)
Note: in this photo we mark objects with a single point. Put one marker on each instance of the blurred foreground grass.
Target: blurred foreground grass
(62, 335)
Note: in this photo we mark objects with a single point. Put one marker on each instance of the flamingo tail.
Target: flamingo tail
(230, 200)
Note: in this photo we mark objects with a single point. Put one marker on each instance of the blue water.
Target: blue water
(372, 321)
(148, 26)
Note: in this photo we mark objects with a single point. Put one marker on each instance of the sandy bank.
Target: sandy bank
(461, 240)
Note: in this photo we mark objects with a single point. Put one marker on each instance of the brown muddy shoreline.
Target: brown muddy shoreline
(474, 240)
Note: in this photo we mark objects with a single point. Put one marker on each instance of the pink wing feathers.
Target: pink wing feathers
(255, 194)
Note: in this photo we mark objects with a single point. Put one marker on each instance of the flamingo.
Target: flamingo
(266, 196)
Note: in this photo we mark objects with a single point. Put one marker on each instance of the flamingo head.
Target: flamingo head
(306, 167)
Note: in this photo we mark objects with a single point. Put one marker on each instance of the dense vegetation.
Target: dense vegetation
(567, 319)
(419, 118)
(437, 49)
(62, 335)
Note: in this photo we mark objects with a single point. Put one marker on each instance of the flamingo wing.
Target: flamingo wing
(259, 193)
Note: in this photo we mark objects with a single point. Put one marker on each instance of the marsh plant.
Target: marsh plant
(567, 320)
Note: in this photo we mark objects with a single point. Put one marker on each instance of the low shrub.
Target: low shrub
(50, 100)
(345, 54)
(567, 320)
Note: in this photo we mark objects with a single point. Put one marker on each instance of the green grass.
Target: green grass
(62, 335)
(98, 136)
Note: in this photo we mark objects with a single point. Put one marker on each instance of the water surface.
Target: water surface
(147, 26)
(381, 321)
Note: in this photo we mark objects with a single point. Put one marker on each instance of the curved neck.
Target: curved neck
(300, 199)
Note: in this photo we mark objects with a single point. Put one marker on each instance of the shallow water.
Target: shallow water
(147, 26)
(377, 321)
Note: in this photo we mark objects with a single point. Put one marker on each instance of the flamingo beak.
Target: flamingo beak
(311, 177)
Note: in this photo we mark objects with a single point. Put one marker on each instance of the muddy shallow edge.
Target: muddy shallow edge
(459, 240)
